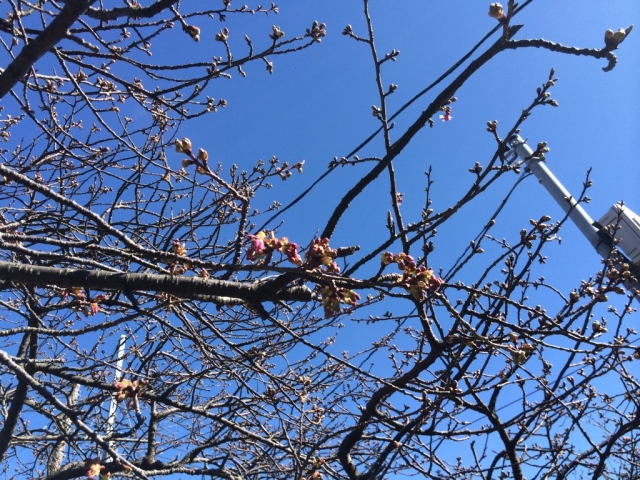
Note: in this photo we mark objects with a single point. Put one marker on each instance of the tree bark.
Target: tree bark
(184, 287)
(36, 48)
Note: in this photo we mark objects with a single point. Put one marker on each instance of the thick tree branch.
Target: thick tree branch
(557, 47)
(35, 49)
(417, 125)
(184, 287)
(355, 435)
(128, 12)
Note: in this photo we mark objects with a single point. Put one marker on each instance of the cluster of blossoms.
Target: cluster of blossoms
(416, 280)
(333, 296)
(95, 469)
(319, 254)
(76, 292)
(177, 268)
(223, 35)
(91, 308)
(520, 351)
(88, 308)
(179, 248)
(263, 246)
(128, 389)
(316, 469)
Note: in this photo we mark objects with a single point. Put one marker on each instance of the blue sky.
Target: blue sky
(317, 105)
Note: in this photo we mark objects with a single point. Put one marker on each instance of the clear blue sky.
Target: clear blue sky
(317, 105)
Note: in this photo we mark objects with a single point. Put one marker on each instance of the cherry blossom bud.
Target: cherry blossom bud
(619, 35)
(496, 11)
(386, 258)
(277, 33)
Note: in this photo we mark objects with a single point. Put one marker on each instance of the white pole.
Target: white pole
(562, 196)
(601, 241)
(113, 404)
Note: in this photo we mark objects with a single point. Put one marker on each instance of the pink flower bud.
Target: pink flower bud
(386, 258)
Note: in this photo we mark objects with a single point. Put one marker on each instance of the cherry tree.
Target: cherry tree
(117, 228)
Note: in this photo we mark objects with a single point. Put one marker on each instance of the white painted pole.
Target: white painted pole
(600, 240)
(562, 196)
(113, 404)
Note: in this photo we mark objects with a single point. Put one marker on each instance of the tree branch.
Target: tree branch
(118, 12)
(184, 287)
(34, 50)
(557, 47)
(419, 123)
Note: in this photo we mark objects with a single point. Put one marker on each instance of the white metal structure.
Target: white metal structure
(619, 225)
(627, 225)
